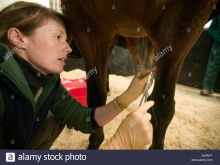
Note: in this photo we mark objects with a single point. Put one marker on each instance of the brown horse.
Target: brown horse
(165, 22)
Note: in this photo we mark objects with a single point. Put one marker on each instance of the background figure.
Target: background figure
(213, 65)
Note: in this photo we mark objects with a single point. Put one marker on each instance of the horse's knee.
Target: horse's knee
(162, 113)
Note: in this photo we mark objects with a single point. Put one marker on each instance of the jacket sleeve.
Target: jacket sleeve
(73, 113)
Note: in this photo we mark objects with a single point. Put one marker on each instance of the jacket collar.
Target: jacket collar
(11, 69)
(34, 78)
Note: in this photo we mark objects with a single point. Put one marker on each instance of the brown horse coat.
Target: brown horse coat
(165, 22)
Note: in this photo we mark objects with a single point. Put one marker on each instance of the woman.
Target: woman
(213, 64)
(35, 107)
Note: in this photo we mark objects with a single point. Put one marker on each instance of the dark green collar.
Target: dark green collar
(10, 68)
(34, 78)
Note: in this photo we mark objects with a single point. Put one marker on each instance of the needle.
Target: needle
(147, 87)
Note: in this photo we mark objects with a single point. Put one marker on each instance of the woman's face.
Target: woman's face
(47, 48)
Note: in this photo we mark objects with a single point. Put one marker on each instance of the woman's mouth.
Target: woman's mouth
(62, 59)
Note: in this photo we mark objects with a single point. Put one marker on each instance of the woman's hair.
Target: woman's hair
(26, 17)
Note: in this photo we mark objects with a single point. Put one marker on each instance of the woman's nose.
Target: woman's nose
(67, 48)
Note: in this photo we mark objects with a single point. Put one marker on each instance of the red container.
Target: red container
(77, 89)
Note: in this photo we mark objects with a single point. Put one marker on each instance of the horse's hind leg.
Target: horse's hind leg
(148, 51)
(98, 86)
(94, 42)
(171, 50)
(94, 48)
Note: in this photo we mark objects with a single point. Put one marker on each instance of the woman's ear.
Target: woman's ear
(16, 38)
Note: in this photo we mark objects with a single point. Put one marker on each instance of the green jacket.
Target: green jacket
(66, 108)
(214, 29)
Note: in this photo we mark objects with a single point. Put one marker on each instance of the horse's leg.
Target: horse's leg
(133, 45)
(178, 29)
(96, 58)
(98, 87)
(94, 44)
(148, 52)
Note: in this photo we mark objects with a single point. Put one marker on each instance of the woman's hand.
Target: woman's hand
(135, 89)
(135, 131)
(106, 113)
